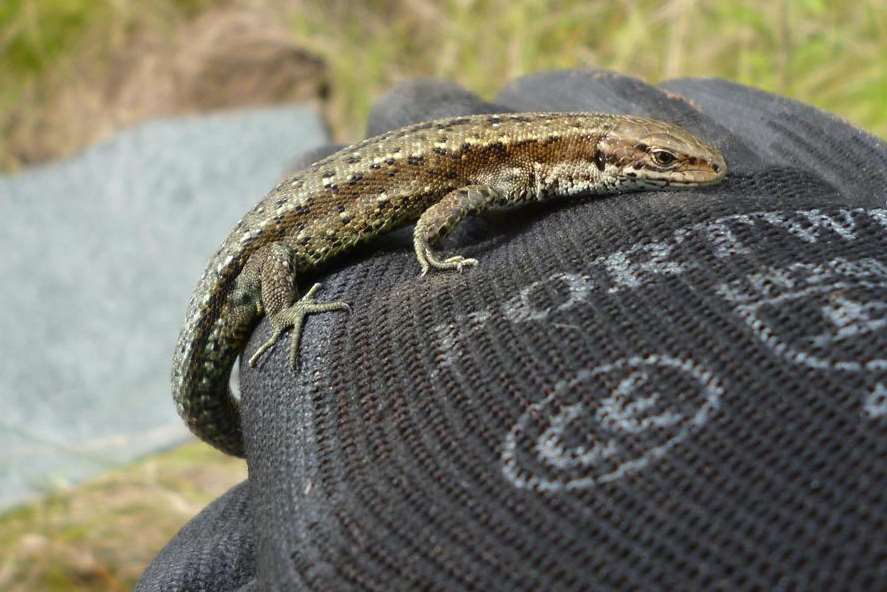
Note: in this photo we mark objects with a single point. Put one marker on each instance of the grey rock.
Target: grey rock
(98, 257)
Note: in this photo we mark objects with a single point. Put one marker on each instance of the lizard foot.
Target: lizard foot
(293, 318)
(429, 260)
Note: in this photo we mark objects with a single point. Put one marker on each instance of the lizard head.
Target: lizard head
(641, 153)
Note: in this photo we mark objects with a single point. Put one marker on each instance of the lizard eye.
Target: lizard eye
(664, 157)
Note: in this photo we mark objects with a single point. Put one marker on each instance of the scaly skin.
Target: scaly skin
(436, 173)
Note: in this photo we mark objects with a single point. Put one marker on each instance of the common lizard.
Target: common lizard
(435, 173)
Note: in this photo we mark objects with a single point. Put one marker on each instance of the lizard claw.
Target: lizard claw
(430, 261)
(293, 318)
(458, 262)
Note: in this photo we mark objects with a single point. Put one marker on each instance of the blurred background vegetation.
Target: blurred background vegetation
(64, 63)
(832, 54)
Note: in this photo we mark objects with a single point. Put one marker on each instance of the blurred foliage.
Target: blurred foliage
(43, 42)
(103, 534)
(830, 54)
(34, 34)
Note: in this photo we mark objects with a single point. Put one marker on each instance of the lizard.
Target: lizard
(434, 174)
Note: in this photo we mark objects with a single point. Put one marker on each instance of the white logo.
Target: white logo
(875, 404)
(818, 315)
(645, 263)
(608, 422)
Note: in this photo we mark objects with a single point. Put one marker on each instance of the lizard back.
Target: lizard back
(366, 190)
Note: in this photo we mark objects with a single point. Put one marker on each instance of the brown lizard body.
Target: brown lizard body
(436, 173)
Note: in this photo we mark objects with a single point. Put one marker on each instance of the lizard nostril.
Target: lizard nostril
(716, 168)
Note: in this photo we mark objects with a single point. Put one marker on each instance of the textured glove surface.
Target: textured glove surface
(670, 390)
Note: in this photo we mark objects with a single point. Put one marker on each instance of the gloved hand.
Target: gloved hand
(673, 389)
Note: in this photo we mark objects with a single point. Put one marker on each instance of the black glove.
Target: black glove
(660, 390)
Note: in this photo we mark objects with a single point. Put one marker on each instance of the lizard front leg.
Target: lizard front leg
(439, 220)
(277, 279)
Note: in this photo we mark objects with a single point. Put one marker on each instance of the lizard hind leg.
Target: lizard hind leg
(440, 219)
(279, 301)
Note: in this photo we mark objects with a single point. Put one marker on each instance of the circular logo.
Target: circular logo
(608, 422)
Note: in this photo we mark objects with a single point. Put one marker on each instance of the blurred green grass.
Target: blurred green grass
(830, 54)
(102, 534)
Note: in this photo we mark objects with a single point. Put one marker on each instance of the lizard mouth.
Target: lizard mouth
(699, 177)
(689, 177)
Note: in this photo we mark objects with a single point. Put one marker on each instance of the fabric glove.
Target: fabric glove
(682, 389)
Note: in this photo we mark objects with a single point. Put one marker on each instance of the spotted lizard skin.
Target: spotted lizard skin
(435, 173)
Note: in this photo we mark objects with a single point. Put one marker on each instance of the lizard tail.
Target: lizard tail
(206, 352)
(216, 420)
(211, 412)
